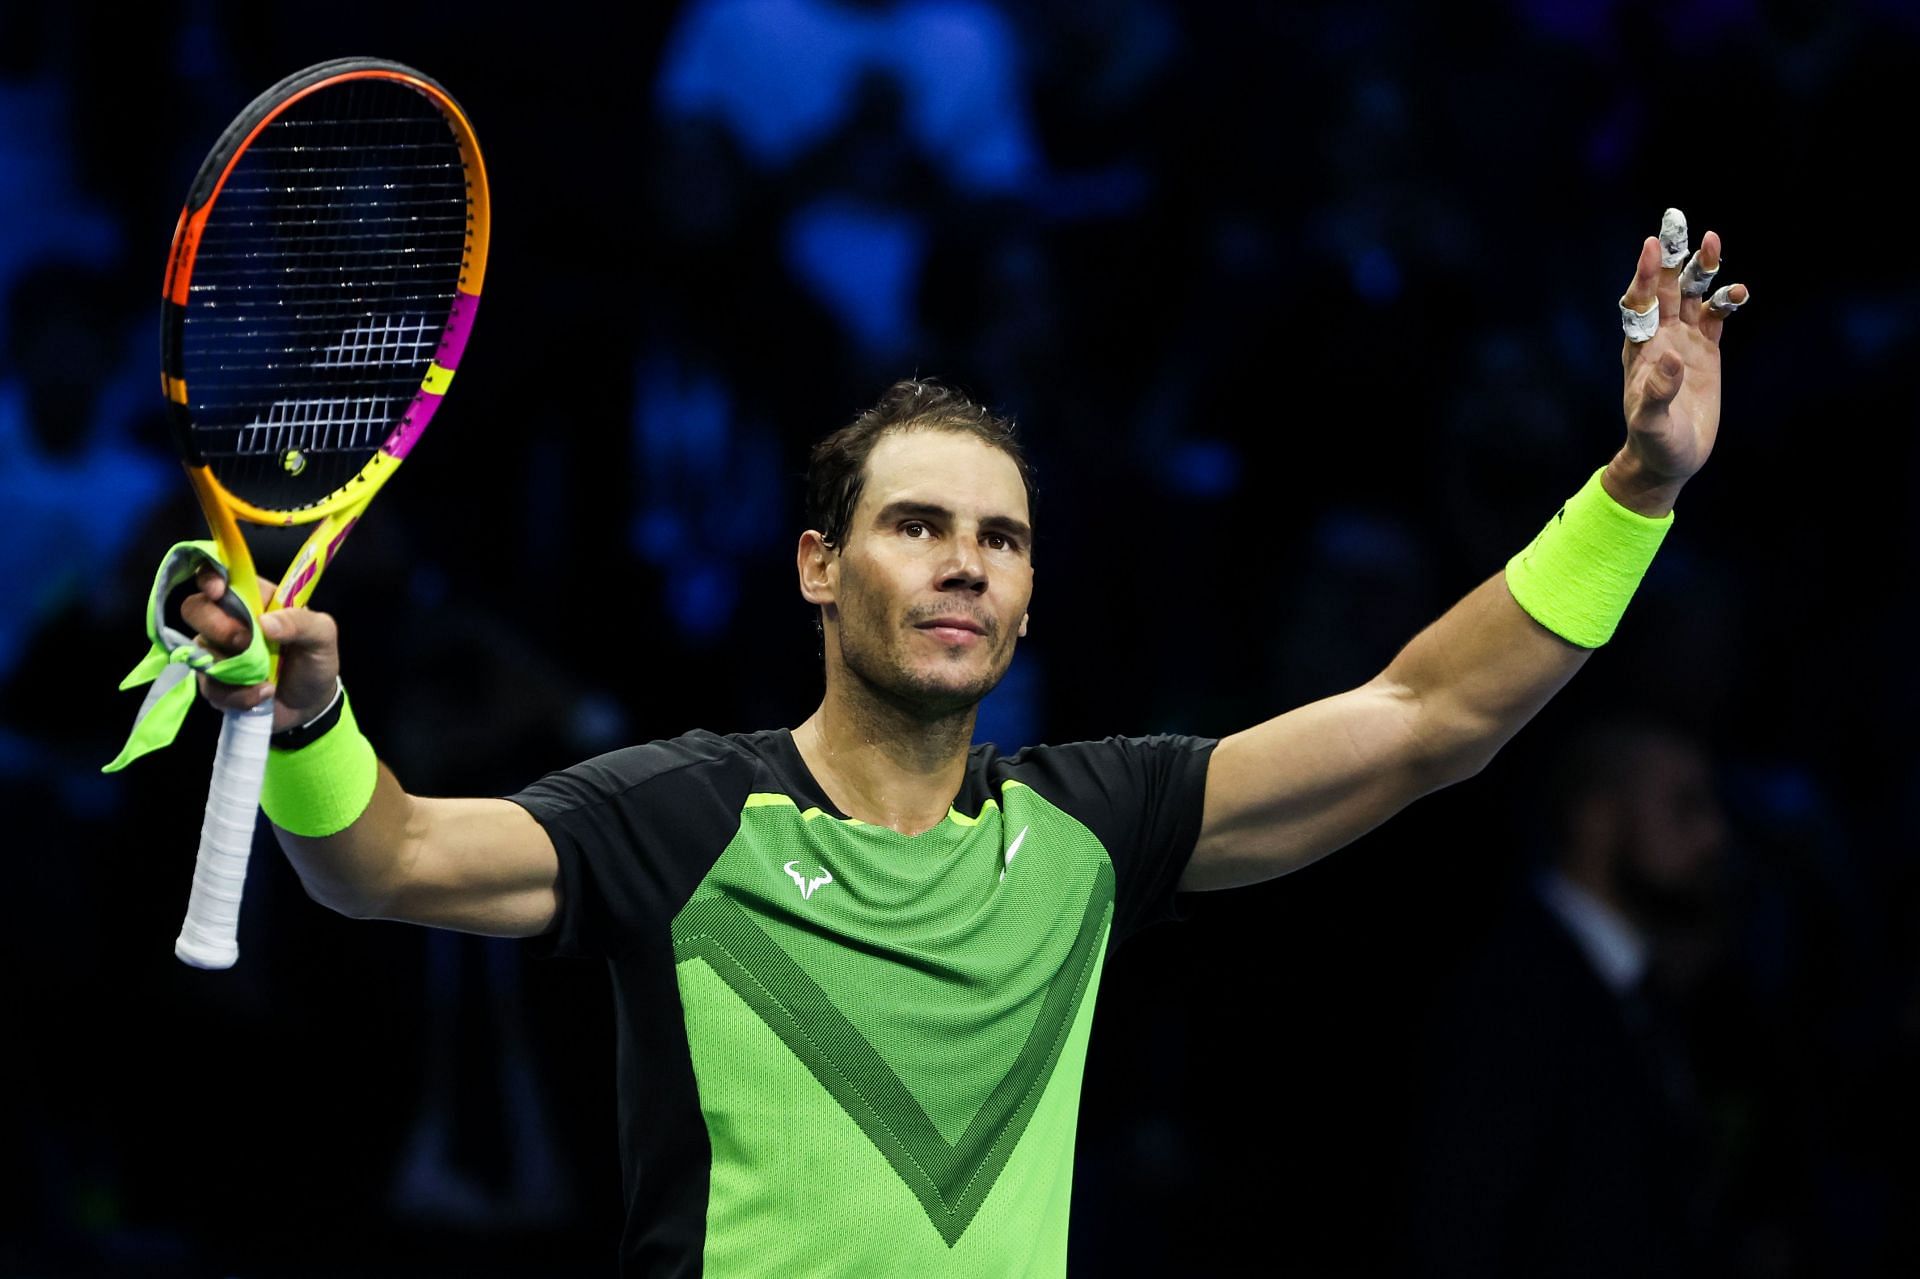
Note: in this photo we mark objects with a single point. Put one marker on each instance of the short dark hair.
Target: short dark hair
(837, 468)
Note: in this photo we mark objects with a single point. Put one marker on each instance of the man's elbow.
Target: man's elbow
(344, 887)
(354, 902)
(1466, 763)
(1458, 746)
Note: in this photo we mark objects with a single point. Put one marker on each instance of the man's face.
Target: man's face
(1672, 831)
(929, 593)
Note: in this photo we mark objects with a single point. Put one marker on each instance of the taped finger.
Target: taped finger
(1722, 303)
(1695, 280)
(1673, 238)
(1639, 326)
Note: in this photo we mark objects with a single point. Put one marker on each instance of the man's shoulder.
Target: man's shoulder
(1113, 751)
(1069, 773)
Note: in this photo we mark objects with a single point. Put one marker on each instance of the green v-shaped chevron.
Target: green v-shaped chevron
(951, 1181)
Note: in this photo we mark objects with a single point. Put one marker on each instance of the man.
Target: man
(1563, 1132)
(855, 962)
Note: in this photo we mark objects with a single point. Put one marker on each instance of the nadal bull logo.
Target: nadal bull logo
(805, 884)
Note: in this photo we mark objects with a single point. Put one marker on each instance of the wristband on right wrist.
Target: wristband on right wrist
(323, 786)
(299, 735)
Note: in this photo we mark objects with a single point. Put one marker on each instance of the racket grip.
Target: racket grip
(210, 936)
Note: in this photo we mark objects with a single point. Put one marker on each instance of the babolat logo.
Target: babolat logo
(807, 883)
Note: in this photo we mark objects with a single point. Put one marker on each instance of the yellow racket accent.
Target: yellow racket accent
(349, 497)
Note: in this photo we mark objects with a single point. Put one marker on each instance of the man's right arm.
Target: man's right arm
(475, 865)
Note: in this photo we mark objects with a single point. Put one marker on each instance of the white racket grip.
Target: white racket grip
(210, 936)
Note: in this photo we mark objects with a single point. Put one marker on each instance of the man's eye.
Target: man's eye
(914, 528)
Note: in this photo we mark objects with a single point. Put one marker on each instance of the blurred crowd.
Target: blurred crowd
(1307, 313)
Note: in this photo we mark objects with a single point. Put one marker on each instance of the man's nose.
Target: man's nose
(966, 569)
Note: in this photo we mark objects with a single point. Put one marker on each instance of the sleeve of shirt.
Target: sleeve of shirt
(1142, 797)
(635, 830)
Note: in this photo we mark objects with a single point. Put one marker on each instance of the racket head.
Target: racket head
(319, 291)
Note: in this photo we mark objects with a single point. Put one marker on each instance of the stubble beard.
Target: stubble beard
(882, 670)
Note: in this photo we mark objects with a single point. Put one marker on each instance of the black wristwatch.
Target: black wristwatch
(292, 739)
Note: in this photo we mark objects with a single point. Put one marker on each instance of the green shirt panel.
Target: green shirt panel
(860, 1218)
(931, 988)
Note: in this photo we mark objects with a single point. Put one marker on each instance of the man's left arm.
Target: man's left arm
(1297, 787)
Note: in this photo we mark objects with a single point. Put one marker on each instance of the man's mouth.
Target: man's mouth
(953, 629)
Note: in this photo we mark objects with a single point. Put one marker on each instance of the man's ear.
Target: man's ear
(1023, 626)
(819, 567)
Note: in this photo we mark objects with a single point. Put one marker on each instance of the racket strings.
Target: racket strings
(259, 277)
(320, 425)
(324, 278)
(286, 231)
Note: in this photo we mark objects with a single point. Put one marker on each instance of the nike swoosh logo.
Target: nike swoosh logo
(1014, 848)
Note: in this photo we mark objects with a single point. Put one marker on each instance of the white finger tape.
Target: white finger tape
(1722, 303)
(1695, 282)
(1640, 325)
(1673, 238)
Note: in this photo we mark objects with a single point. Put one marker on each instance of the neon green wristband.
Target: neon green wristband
(324, 786)
(1576, 578)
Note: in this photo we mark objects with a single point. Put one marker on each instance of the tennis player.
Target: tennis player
(856, 961)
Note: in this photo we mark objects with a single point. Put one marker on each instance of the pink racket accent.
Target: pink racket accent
(415, 420)
(341, 536)
(305, 576)
(453, 344)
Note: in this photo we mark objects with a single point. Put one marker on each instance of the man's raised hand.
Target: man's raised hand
(1671, 358)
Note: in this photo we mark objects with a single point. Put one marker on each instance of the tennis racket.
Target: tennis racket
(319, 292)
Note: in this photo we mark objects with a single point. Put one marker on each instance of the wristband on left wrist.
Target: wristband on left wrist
(1577, 577)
